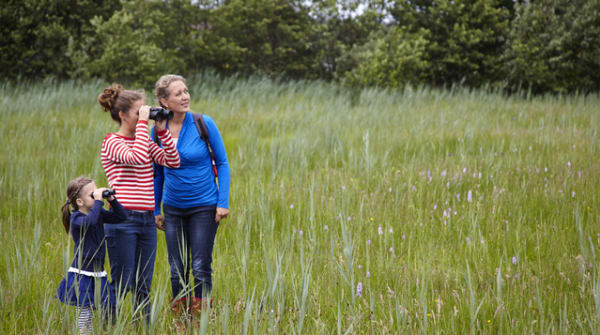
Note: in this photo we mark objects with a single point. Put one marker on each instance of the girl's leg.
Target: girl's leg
(85, 319)
(145, 257)
(203, 230)
(176, 236)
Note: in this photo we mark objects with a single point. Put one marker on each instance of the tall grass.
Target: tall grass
(457, 211)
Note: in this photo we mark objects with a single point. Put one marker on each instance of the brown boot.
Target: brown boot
(196, 308)
(181, 309)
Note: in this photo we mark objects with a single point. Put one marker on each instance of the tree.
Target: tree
(136, 45)
(393, 59)
(466, 37)
(35, 34)
(555, 46)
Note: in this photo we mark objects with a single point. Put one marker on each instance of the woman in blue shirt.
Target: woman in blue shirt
(194, 201)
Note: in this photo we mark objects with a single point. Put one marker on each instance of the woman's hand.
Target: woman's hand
(159, 220)
(221, 213)
(144, 113)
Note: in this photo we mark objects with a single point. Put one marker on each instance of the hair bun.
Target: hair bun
(108, 97)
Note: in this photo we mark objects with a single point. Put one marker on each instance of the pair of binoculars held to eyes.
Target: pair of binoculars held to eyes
(159, 114)
(105, 194)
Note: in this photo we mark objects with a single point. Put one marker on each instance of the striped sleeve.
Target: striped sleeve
(168, 156)
(120, 153)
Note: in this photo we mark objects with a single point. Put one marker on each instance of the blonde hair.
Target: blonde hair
(161, 90)
(73, 191)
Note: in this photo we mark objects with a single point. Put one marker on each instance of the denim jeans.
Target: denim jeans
(190, 233)
(131, 251)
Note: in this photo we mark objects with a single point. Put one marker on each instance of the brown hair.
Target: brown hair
(73, 191)
(115, 99)
(161, 87)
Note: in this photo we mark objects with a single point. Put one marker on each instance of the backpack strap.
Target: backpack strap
(204, 135)
(157, 141)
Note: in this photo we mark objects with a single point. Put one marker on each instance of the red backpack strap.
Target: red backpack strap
(204, 135)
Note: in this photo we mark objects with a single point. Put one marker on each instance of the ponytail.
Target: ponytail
(73, 191)
(66, 216)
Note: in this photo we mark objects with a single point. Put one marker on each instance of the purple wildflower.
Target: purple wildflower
(470, 196)
(359, 289)
(380, 230)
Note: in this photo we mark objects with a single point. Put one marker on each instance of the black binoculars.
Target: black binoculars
(105, 194)
(159, 114)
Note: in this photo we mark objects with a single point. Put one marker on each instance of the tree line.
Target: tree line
(537, 45)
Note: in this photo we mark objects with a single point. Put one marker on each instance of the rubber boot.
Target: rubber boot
(181, 309)
(196, 308)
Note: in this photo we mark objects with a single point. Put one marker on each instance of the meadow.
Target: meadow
(352, 211)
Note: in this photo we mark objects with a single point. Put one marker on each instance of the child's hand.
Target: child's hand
(97, 194)
(160, 125)
(144, 113)
(111, 198)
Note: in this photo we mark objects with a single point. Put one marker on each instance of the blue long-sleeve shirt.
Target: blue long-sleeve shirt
(193, 183)
(88, 233)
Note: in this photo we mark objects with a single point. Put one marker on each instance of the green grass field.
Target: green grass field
(455, 211)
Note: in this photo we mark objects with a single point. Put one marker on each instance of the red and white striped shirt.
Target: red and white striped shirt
(128, 165)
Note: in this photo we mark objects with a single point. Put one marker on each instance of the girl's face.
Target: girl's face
(129, 119)
(85, 202)
(179, 97)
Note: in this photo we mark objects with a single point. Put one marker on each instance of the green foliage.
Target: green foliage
(35, 34)
(338, 33)
(548, 46)
(134, 46)
(267, 36)
(466, 37)
(555, 46)
(391, 59)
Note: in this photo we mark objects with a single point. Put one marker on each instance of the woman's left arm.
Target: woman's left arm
(216, 141)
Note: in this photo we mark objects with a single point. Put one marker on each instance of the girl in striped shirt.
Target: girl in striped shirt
(127, 158)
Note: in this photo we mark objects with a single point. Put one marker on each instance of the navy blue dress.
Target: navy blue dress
(86, 279)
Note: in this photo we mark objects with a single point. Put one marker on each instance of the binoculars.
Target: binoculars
(159, 114)
(105, 194)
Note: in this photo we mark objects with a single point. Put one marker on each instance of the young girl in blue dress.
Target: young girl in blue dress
(86, 285)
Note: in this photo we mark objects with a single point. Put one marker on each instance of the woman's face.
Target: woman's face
(179, 97)
(129, 119)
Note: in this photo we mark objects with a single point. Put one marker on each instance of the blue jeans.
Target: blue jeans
(131, 251)
(190, 233)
